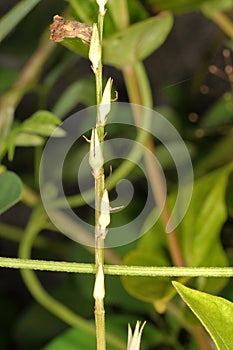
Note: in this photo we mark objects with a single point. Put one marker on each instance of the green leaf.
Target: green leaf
(215, 313)
(199, 239)
(27, 140)
(73, 339)
(156, 291)
(42, 123)
(201, 226)
(31, 131)
(82, 91)
(76, 45)
(137, 41)
(11, 189)
(181, 6)
(220, 113)
(15, 15)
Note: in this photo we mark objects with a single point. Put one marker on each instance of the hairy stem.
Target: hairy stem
(40, 294)
(115, 270)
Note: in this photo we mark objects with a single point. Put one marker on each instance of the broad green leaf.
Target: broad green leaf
(156, 291)
(199, 231)
(11, 189)
(73, 339)
(76, 45)
(215, 313)
(199, 236)
(220, 113)
(15, 15)
(130, 45)
(32, 131)
(181, 6)
(137, 41)
(28, 140)
(42, 123)
(82, 91)
(23, 140)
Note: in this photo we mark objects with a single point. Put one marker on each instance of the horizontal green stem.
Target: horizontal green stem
(118, 270)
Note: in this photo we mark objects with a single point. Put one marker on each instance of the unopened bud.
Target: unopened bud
(101, 4)
(99, 291)
(105, 105)
(134, 340)
(95, 49)
(104, 218)
(96, 159)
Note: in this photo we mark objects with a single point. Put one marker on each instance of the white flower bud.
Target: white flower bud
(104, 218)
(105, 105)
(95, 49)
(101, 4)
(134, 340)
(96, 159)
(99, 291)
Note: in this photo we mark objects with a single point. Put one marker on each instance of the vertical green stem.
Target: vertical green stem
(99, 189)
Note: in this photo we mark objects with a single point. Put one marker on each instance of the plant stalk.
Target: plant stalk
(115, 270)
(99, 190)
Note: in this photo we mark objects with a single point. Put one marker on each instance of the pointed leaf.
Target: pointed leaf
(156, 291)
(215, 314)
(43, 123)
(27, 140)
(11, 189)
(198, 235)
(201, 227)
(137, 41)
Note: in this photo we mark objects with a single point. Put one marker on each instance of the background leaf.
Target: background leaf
(199, 239)
(137, 41)
(42, 123)
(15, 15)
(11, 189)
(215, 314)
(181, 6)
(73, 339)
